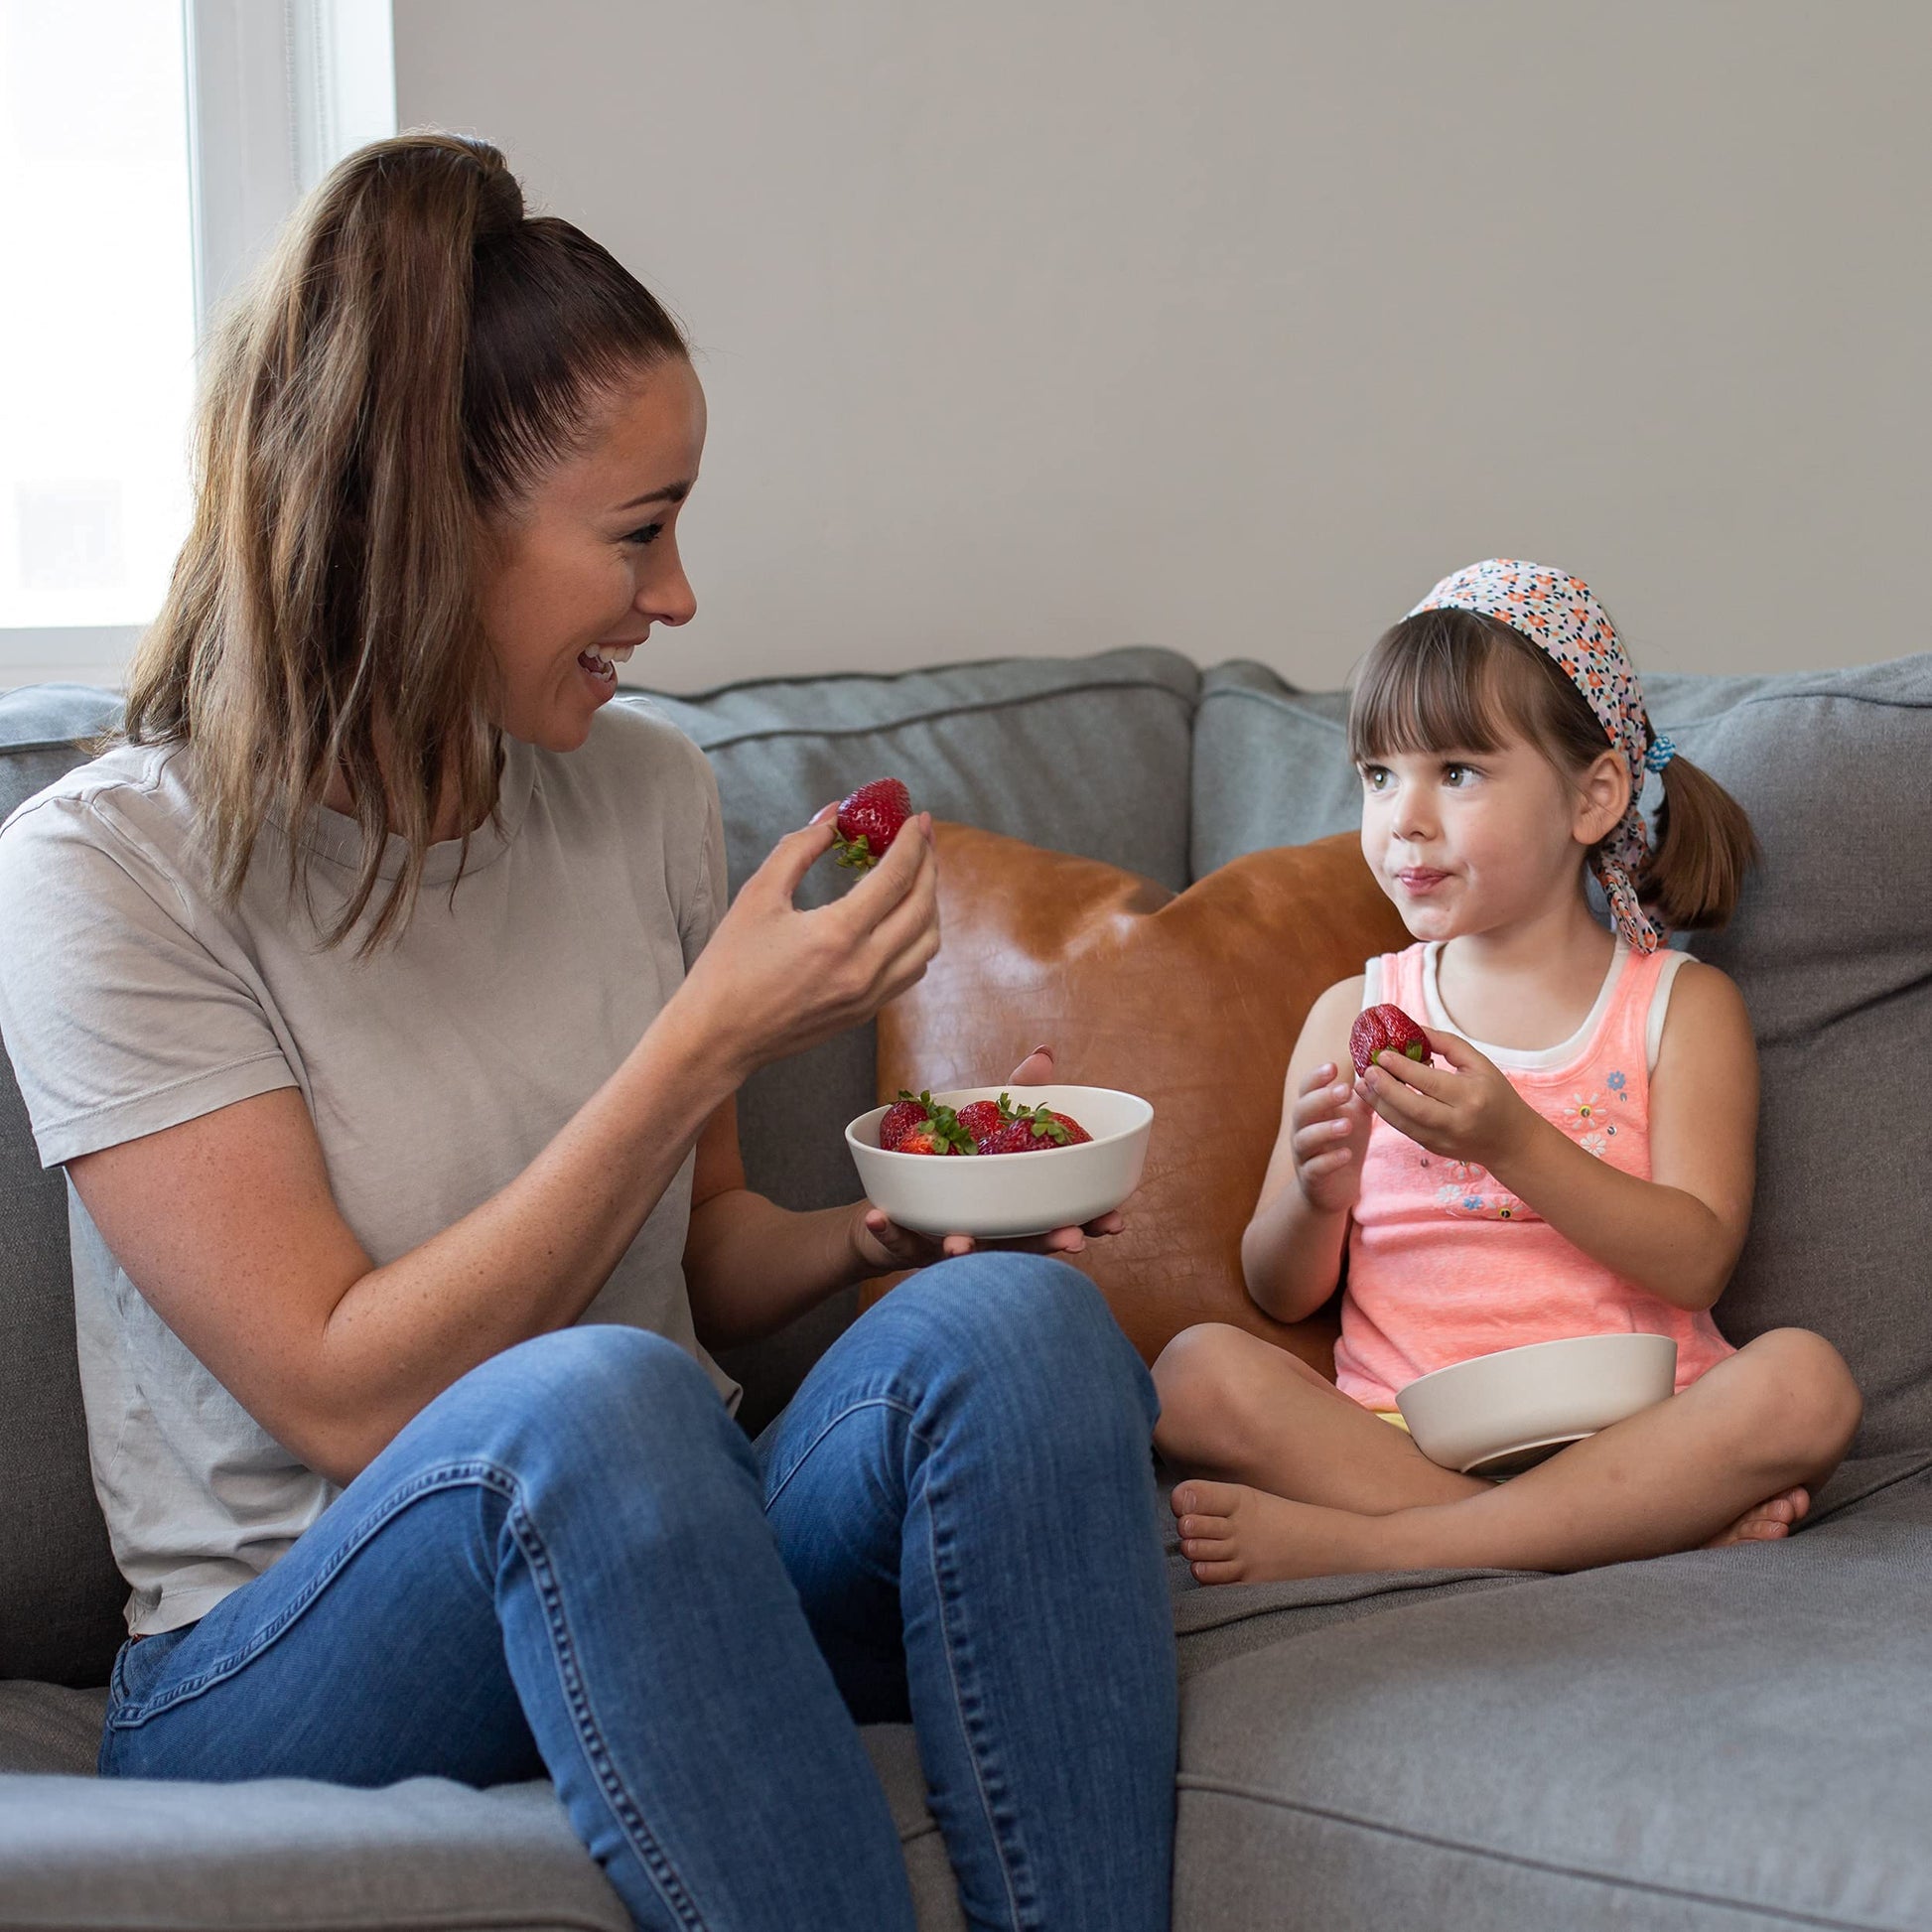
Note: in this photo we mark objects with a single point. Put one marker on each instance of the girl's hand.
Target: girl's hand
(1469, 1113)
(887, 1247)
(774, 980)
(1329, 1134)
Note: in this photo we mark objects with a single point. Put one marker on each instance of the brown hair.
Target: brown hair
(408, 363)
(1458, 680)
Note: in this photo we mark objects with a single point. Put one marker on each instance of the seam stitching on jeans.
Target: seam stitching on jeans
(624, 1807)
(972, 1727)
(444, 1476)
(1227, 1789)
(805, 1456)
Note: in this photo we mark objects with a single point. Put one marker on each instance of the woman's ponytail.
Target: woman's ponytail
(413, 357)
(1704, 847)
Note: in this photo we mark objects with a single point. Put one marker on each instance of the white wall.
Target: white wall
(1047, 325)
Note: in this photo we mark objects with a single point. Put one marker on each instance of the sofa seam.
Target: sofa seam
(764, 734)
(1227, 1789)
(795, 679)
(1285, 701)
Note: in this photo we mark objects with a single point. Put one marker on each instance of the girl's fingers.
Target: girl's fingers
(1324, 1164)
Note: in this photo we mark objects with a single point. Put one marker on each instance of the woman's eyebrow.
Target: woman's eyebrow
(671, 494)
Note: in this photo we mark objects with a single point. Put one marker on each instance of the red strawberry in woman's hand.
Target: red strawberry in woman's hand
(870, 820)
(1385, 1029)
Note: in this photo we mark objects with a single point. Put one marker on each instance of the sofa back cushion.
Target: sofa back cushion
(1194, 1001)
(1832, 947)
(60, 1592)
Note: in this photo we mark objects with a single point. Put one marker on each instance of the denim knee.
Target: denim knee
(596, 1404)
(1035, 1329)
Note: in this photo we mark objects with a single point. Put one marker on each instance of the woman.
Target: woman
(379, 997)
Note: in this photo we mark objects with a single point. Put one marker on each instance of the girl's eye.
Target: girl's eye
(648, 534)
(1457, 774)
(1375, 777)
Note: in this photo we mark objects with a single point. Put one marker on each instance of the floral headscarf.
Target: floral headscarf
(1558, 613)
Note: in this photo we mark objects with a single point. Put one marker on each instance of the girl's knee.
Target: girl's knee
(1202, 1378)
(1807, 1392)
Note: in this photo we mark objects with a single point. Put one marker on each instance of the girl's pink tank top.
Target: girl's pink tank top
(1445, 1263)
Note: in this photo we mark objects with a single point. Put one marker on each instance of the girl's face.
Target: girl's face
(1467, 842)
(590, 563)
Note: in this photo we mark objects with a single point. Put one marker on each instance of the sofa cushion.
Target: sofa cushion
(1194, 1001)
(60, 1592)
(1730, 1741)
(75, 1850)
(1832, 947)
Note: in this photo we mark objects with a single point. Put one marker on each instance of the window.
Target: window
(160, 145)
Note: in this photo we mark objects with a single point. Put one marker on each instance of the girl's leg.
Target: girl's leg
(1779, 1413)
(1237, 1406)
(562, 1563)
(963, 1492)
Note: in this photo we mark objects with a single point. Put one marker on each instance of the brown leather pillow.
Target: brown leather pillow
(1194, 1001)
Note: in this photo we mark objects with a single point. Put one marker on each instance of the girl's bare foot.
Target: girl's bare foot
(1231, 1534)
(1771, 1519)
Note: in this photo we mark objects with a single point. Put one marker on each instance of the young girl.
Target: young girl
(1586, 1168)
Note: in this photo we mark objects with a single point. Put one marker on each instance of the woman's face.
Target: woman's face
(589, 563)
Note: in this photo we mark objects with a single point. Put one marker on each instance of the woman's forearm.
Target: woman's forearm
(752, 1265)
(531, 1258)
(1663, 1239)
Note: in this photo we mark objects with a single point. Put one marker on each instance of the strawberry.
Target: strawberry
(942, 1133)
(984, 1118)
(906, 1113)
(1385, 1029)
(870, 820)
(1031, 1130)
(922, 1125)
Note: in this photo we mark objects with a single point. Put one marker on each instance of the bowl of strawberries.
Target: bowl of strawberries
(1001, 1163)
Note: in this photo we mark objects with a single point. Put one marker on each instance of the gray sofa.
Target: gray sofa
(1722, 1741)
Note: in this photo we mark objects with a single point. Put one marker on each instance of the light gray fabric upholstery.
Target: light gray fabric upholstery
(1736, 1739)
(140, 1853)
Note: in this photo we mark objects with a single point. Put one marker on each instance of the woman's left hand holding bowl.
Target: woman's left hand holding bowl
(888, 1247)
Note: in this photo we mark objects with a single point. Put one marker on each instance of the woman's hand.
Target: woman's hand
(887, 1247)
(774, 981)
(1469, 1113)
(1328, 1135)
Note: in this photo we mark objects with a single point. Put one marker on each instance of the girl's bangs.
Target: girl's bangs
(1434, 683)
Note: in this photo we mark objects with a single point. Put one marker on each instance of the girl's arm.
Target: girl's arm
(1292, 1250)
(1677, 1235)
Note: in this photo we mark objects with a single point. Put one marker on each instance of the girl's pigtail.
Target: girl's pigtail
(1704, 845)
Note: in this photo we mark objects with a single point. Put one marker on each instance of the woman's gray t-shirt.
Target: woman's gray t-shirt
(434, 1070)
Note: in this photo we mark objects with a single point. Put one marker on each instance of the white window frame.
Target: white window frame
(278, 91)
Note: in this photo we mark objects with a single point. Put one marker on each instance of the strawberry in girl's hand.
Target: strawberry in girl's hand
(1385, 1029)
(1030, 1130)
(870, 820)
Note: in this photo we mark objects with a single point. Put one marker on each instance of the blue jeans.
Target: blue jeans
(573, 1564)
